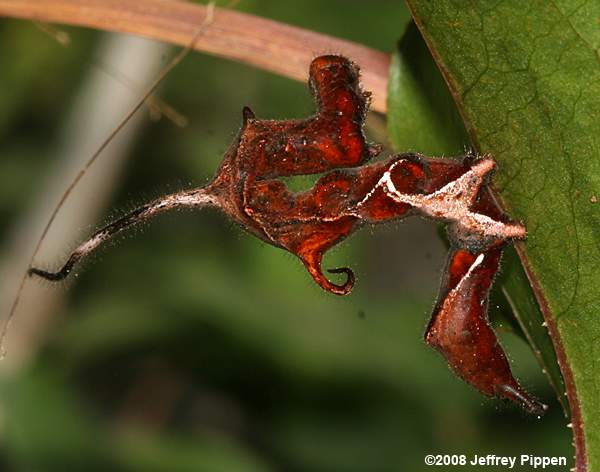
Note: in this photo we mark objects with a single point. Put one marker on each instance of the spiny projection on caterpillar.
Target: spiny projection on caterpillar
(354, 192)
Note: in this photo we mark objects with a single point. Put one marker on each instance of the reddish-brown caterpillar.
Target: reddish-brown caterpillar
(247, 188)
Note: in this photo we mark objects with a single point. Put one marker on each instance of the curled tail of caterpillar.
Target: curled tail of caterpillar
(193, 199)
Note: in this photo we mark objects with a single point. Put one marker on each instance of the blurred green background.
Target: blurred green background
(192, 346)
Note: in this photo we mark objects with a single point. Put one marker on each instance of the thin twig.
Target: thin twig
(208, 18)
(61, 37)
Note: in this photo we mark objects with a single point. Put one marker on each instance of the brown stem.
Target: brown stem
(267, 44)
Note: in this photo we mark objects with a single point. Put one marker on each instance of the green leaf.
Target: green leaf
(422, 116)
(526, 79)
